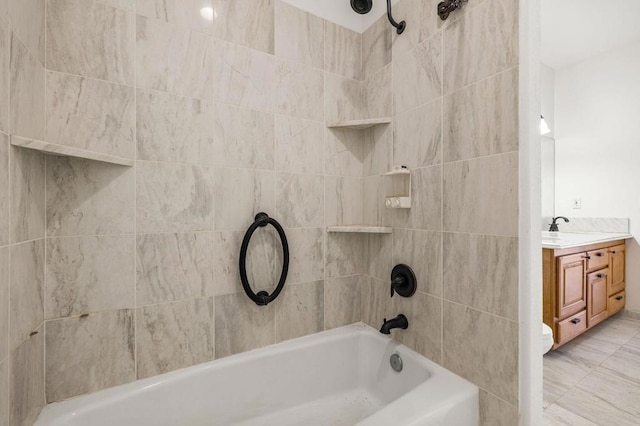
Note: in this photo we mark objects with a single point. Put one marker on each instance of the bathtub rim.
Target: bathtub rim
(452, 389)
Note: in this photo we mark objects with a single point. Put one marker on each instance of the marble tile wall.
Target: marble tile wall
(99, 346)
(224, 119)
(90, 114)
(187, 323)
(452, 90)
(22, 212)
(93, 39)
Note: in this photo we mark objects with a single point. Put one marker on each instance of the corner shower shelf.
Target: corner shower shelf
(68, 151)
(399, 188)
(398, 171)
(359, 124)
(361, 229)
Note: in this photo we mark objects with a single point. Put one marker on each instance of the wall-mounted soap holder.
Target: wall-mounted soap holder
(398, 187)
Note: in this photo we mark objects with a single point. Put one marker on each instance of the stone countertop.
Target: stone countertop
(563, 240)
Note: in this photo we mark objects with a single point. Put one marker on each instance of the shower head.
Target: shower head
(362, 6)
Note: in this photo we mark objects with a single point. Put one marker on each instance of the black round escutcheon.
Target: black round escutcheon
(403, 281)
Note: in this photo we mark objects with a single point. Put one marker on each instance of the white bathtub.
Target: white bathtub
(337, 377)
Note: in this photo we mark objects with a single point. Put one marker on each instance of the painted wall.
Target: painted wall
(598, 145)
(547, 88)
(548, 176)
(547, 142)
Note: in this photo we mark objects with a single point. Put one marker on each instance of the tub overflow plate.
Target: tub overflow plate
(396, 362)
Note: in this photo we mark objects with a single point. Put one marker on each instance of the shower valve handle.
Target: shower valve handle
(397, 282)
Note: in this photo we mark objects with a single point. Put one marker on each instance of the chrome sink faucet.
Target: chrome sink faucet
(553, 226)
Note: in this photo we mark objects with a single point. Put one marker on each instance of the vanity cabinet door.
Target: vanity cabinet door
(597, 297)
(617, 267)
(572, 289)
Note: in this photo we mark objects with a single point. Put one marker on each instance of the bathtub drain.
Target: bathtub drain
(396, 362)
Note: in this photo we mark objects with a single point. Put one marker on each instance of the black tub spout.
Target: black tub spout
(398, 322)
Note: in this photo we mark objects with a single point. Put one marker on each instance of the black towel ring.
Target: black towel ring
(263, 298)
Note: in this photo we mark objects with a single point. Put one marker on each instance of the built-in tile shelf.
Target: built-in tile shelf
(67, 151)
(361, 229)
(359, 124)
(398, 170)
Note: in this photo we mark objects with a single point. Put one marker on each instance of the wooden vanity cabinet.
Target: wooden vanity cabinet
(582, 286)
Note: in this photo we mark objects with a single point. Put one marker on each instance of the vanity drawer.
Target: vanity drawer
(616, 303)
(572, 327)
(597, 259)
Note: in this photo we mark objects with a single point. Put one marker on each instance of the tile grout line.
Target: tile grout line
(580, 415)
(77, 316)
(275, 187)
(394, 129)
(442, 227)
(135, 195)
(453, 302)
(573, 388)
(325, 234)
(509, 68)
(211, 39)
(498, 397)
(46, 232)
(182, 96)
(24, 44)
(213, 217)
(594, 370)
(10, 239)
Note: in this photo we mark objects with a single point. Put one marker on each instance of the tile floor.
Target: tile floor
(594, 380)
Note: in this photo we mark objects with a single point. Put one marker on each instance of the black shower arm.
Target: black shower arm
(399, 26)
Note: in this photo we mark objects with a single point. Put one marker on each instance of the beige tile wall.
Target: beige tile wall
(226, 119)
(455, 96)
(22, 212)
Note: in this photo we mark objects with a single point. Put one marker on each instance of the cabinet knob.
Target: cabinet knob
(619, 298)
(599, 254)
(576, 320)
(601, 275)
(586, 257)
(612, 252)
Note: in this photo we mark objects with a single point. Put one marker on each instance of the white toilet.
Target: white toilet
(547, 338)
